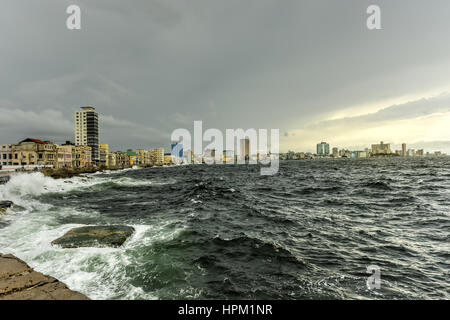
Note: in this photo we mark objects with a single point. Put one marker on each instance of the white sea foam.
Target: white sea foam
(24, 186)
(100, 273)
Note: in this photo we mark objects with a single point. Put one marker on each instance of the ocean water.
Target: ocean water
(224, 231)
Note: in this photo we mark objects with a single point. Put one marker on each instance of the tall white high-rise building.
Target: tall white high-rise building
(245, 149)
(86, 130)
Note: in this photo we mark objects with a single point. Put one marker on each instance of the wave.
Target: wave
(100, 273)
(378, 185)
(25, 189)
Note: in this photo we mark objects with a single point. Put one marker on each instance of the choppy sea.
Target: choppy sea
(226, 232)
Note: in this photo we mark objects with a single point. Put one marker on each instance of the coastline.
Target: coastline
(18, 281)
(65, 173)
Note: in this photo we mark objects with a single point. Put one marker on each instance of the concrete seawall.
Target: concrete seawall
(20, 282)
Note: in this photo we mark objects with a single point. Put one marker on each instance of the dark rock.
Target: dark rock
(5, 205)
(95, 236)
(20, 282)
(4, 179)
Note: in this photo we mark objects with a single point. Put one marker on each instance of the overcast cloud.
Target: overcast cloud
(310, 68)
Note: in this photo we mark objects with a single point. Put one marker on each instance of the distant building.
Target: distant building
(357, 154)
(177, 152)
(6, 154)
(245, 149)
(157, 156)
(132, 157)
(381, 148)
(122, 159)
(188, 156)
(323, 149)
(103, 158)
(34, 152)
(104, 154)
(228, 156)
(335, 152)
(403, 154)
(65, 155)
(112, 159)
(86, 131)
(83, 156)
(143, 157)
(104, 146)
(168, 158)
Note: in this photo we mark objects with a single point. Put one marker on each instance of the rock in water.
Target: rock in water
(5, 205)
(95, 236)
(4, 179)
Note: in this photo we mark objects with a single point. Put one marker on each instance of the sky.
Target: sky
(311, 69)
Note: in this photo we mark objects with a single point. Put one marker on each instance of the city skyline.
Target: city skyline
(87, 133)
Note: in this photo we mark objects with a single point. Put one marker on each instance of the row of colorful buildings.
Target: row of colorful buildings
(41, 153)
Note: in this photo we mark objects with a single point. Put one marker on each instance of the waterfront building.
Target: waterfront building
(132, 157)
(168, 158)
(361, 154)
(357, 154)
(157, 156)
(244, 149)
(5, 154)
(209, 155)
(143, 157)
(228, 156)
(86, 131)
(403, 150)
(104, 158)
(188, 156)
(335, 152)
(64, 156)
(73, 149)
(112, 160)
(34, 152)
(177, 152)
(381, 148)
(323, 149)
(290, 155)
(83, 156)
(344, 153)
(122, 159)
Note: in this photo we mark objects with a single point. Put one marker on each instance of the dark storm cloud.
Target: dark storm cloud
(152, 66)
